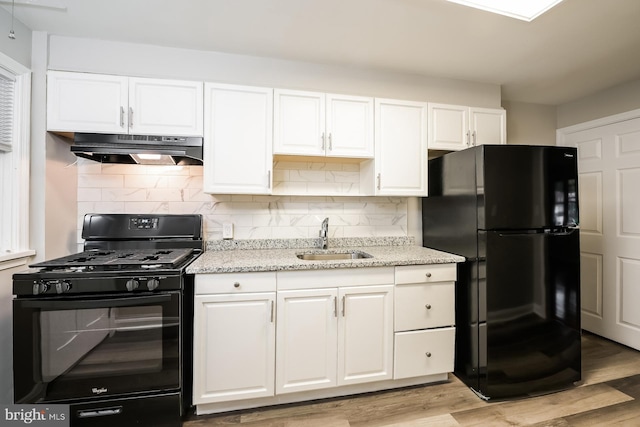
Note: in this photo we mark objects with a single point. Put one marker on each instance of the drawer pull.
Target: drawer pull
(428, 275)
(427, 306)
(236, 285)
(428, 354)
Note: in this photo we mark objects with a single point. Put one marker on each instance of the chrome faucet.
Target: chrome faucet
(324, 231)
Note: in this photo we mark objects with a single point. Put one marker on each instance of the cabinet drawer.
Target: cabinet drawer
(420, 306)
(225, 283)
(419, 353)
(425, 273)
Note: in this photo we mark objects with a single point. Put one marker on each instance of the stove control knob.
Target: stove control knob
(132, 285)
(152, 284)
(40, 287)
(63, 286)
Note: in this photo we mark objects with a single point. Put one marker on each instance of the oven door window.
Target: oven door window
(75, 348)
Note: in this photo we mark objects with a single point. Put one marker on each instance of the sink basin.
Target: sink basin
(324, 256)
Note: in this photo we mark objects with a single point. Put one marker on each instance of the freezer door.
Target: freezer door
(529, 315)
(522, 187)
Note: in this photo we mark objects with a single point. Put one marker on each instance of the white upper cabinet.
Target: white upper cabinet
(80, 102)
(456, 127)
(166, 107)
(83, 102)
(238, 139)
(401, 148)
(318, 124)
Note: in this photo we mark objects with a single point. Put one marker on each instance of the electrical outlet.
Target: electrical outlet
(227, 230)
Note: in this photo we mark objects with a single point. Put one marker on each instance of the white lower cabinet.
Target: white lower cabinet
(234, 338)
(260, 338)
(333, 337)
(424, 320)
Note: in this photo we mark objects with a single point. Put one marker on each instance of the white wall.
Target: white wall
(530, 124)
(618, 99)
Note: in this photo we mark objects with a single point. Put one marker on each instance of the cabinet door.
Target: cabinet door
(234, 347)
(165, 107)
(299, 123)
(349, 126)
(306, 340)
(401, 148)
(238, 139)
(82, 102)
(448, 127)
(365, 334)
(488, 126)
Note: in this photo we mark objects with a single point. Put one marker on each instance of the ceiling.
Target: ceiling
(575, 49)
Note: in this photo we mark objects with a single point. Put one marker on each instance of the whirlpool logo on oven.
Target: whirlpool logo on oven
(35, 415)
(98, 390)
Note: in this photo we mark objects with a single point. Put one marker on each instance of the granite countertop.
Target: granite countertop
(280, 255)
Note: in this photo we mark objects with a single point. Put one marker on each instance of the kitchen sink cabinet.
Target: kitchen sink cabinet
(400, 167)
(424, 320)
(354, 324)
(234, 337)
(238, 139)
(97, 103)
(456, 127)
(319, 124)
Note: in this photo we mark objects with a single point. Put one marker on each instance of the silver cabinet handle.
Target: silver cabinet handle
(330, 142)
(344, 306)
(121, 116)
(378, 178)
(130, 117)
(428, 354)
(272, 311)
(468, 138)
(474, 138)
(427, 306)
(322, 138)
(268, 179)
(335, 306)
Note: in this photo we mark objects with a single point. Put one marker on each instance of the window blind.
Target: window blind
(7, 108)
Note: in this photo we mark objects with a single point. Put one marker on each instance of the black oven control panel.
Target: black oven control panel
(143, 223)
(124, 284)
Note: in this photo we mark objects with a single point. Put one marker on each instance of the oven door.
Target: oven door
(78, 348)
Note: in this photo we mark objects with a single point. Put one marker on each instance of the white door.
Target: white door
(401, 148)
(83, 102)
(365, 334)
(609, 179)
(234, 347)
(165, 107)
(299, 123)
(306, 340)
(488, 126)
(448, 127)
(238, 139)
(349, 126)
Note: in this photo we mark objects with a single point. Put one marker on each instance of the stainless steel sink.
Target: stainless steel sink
(324, 256)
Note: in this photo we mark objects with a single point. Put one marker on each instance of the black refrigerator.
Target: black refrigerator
(512, 212)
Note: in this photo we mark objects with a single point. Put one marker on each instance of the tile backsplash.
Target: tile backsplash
(115, 188)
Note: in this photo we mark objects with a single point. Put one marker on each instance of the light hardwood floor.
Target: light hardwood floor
(609, 395)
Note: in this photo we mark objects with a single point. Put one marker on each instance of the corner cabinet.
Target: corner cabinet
(99, 103)
(400, 167)
(234, 337)
(319, 124)
(456, 127)
(238, 155)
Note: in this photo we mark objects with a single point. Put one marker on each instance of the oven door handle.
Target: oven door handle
(50, 304)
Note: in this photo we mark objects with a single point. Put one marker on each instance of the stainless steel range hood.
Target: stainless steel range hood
(138, 149)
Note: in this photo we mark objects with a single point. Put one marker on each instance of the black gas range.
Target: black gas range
(108, 330)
